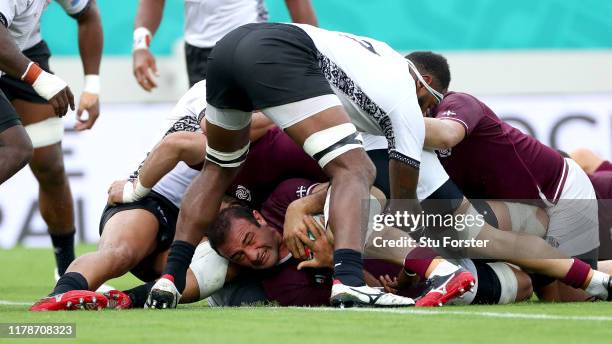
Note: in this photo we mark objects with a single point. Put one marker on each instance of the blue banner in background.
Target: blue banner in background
(404, 24)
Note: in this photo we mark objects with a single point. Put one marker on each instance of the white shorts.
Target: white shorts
(574, 224)
(283, 116)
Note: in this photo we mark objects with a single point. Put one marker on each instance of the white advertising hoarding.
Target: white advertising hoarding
(124, 132)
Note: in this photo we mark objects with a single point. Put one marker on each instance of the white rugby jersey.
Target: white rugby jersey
(185, 116)
(374, 84)
(431, 175)
(73, 8)
(21, 18)
(207, 21)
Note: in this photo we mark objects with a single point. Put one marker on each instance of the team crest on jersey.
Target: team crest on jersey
(243, 193)
(449, 113)
(444, 153)
(301, 191)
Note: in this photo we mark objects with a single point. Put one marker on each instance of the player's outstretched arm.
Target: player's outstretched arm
(47, 85)
(188, 147)
(301, 11)
(148, 18)
(443, 134)
(91, 42)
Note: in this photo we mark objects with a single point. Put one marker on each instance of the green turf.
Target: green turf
(27, 275)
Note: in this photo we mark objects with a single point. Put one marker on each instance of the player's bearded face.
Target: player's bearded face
(251, 246)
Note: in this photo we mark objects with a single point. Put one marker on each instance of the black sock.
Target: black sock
(139, 294)
(63, 247)
(348, 267)
(70, 281)
(179, 259)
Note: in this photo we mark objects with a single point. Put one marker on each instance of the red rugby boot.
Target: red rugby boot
(118, 300)
(445, 288)
(70, 301)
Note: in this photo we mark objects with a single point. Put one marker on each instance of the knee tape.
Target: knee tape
(209, 269)
(507, 280)
(326, 145)
(45, 133)
(232, 159)
(473, 228)
(525, 220)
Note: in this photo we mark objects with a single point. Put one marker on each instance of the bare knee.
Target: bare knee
(49, 171)
(353, 165)
(17, 145)
(122, 256)
(524, 289)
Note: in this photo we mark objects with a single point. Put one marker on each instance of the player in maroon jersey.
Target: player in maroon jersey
(274, 157)
(489, 159)
(600, 173)
(254, 239)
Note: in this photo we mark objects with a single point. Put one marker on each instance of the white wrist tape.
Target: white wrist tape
(132, 193)
(142, 38)
(48, 85)
(92, 84)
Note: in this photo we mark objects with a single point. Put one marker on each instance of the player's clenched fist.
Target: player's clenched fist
(50, 87)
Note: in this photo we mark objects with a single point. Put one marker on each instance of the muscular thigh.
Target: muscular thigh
(31, 113)
(136, 228)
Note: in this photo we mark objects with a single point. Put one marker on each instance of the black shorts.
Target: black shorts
(380, 158)
(17, 89)
(197, 60)
(262, 65)
(166, 214)
(8, 115)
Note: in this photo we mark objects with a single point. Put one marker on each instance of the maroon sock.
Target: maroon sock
(419, 260)
(577, 274)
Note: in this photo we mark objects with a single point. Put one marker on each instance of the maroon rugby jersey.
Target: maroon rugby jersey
(496, 160)
(602, 183)
(308, 287)
(605, 166)
(284, 283)
(272, 159)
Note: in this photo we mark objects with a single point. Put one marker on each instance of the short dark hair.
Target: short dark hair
(218, 229)
(433, 64)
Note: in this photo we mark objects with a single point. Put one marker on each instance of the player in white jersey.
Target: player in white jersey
(46, 129)
(18, 20)
(319, 87)
(206, 22)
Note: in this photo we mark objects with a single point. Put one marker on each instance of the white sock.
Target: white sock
(598, 285)
(443, 269)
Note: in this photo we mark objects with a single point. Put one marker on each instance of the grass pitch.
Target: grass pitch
(27, 274)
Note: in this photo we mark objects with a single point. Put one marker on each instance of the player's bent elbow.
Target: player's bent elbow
(176, 145)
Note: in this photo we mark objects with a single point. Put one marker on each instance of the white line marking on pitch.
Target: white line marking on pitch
(14, 303)
(468, 313)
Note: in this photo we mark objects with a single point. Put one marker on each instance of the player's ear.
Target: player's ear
(428, 79)
(260, 219)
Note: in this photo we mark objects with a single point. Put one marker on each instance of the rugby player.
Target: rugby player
(206, 22)
(314, 85)
(39, 115)
(18, 22)
(600, 173)
(138, 225)
(489, 159)
(254, 239)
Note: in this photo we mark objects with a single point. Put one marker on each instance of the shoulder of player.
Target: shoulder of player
(456, 100)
